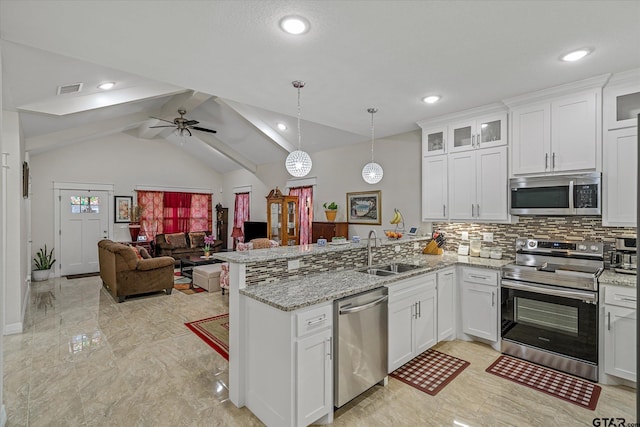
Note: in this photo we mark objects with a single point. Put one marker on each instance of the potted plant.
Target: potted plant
(330, 210)
(209, 241)
(43, 261)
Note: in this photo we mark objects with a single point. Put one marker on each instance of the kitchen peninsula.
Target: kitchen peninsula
(281, 303)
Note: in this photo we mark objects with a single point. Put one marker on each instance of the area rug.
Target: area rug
(574, 390)
(430, 371)
(214, 331)
(189, 290)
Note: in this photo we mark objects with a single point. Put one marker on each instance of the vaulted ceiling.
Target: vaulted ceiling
(231, 67)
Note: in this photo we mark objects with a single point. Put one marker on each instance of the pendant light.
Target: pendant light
(372, 172)
(298, 162)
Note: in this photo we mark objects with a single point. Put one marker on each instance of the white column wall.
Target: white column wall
(16, 286)
(3, 255)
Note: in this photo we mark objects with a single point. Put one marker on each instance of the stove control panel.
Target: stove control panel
(559, 247)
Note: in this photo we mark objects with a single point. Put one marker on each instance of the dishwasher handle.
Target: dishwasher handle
(358, 308)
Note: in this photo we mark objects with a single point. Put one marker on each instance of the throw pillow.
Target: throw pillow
(143, 252)
(177, 240)
(197, 239)
(136, 251)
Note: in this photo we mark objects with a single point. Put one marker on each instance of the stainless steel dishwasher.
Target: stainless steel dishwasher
(360, 333)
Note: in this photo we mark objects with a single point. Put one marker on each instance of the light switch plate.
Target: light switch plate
(487, 237)
(416, 245)
(397, 248)
(465, 235)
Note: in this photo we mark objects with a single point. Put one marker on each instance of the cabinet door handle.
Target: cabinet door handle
(493, 299)
(472, 210)
(448, 274)
(553, 161)
(473, 140)
(627, 299)
(444, 210)
(419, 308)
(320, 319)
(478, 210)
(608, 321)
(478, 140)
(546, 161)
(478, 277)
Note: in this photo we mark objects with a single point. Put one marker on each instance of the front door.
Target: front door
(84, 220)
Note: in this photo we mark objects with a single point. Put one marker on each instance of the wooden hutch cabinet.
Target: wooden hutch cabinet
(282, 218)
(327, 230)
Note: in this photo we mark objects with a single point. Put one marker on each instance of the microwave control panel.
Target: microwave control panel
(586, 196)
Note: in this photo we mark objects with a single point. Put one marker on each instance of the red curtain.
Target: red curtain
(152, 213)
(200, 219)
(177, 211)
(241, 210)
(305, 211)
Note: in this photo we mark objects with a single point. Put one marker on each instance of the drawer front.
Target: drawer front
(620, 296)
(313, 319)
(481, 276)
(411, 286)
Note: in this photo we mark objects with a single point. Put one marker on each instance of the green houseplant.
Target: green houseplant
(330, 210)
(43, 261)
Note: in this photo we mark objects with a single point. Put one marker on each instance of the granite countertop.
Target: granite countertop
(610, 277)
(293, 294)
(284, 252)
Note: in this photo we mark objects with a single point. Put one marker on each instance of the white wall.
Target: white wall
(120, 159)
(339, 171)
(16, 287)
(3, 259)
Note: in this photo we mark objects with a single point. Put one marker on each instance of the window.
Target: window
(81, 204)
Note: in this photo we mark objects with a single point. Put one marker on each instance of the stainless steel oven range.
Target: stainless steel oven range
(549, 301)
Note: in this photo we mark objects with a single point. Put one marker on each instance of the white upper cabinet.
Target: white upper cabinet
(557, 136)
(434, 188)
(621, 106)
(482, 132)
(434, 141)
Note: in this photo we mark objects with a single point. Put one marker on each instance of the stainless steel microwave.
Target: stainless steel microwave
(557, 195)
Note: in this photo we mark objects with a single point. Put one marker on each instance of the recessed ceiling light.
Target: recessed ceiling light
(576, 55)
(106, 85)
(282, 126)
(294, 25)
(431, 99)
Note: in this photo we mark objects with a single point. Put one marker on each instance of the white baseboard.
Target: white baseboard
(3, 417)
(13, 328)
(17, 327)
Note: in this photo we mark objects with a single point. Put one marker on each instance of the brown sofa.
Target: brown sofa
(188, 244)
(124, 274)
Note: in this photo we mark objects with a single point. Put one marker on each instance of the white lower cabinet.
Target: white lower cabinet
(620, 344)
(289, 364)
(446, 304)
(412, 319)
(479, 295)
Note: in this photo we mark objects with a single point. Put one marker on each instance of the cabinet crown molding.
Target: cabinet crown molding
(596, 82)
(496, 107)
(625, 77)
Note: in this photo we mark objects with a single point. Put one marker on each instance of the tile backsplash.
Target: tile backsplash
(576, 228)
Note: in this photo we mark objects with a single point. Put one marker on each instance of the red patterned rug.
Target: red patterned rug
(579, 392)
(430, 371)
(214, 331)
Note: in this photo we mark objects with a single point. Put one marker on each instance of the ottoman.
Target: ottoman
(207, 276)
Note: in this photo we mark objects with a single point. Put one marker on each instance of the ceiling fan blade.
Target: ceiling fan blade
(168, 121)
(203, 129)
(162, 126)
(191, 122)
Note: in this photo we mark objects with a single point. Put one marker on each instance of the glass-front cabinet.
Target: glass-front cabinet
(483, 132)
(282, 218)
(622, 106)
(434, 141)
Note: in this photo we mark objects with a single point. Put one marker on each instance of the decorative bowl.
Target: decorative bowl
(394, 234)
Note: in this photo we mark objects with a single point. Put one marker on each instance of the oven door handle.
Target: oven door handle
(590, 297)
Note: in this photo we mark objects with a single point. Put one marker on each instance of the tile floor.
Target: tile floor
(85, 360)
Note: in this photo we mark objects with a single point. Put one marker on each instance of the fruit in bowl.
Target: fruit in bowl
(393, 234)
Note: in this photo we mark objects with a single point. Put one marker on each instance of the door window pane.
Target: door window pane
(628, 106)
(490, 131)
(81, 204)
(462, 137)
(435, 141)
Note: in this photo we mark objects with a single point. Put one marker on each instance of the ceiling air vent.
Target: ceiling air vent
(70, 88)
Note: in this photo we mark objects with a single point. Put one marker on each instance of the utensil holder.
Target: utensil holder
(432, 249)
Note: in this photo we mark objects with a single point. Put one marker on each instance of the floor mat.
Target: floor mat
(577, 391)
(430, 371)
(214, 331)
(189, 290)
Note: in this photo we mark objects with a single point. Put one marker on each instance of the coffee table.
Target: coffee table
(187, 264)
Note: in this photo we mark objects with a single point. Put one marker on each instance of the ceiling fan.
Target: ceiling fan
(182, 124)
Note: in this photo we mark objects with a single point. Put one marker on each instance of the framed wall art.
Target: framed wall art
(364, 207)
(122, 206)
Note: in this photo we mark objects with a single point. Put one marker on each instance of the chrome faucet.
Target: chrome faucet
(375, 242)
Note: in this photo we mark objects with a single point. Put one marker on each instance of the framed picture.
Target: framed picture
(364, 207)
(122, 208)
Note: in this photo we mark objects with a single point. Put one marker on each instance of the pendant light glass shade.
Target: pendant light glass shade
(298, 162)
(372, 172)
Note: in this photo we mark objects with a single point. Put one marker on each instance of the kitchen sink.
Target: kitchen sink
(388, 269)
